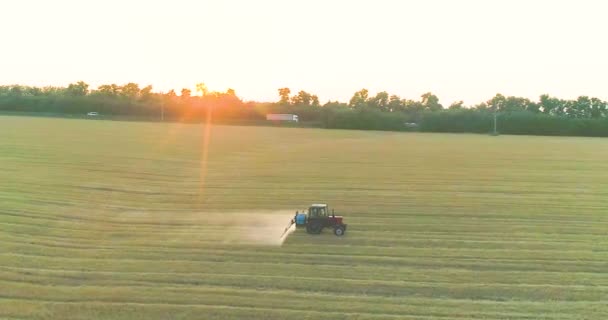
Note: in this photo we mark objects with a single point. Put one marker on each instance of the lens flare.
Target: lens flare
(205, 149)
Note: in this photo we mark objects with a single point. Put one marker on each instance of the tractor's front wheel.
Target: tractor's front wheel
(339, 231)
(314, 227)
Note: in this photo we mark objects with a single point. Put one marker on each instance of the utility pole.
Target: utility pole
(162, 111)
(495, 131)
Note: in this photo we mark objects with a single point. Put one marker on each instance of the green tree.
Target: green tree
(581, 108)
(395, 103)
(359, 99)
(303, 98)
(52, 91)
(481, 107)
(186, 93)
(284, 96)
(514, 104)
(457, 105)
(431, 102)
(599, 108)
(412, 107)
(551, 106)
(109, 89)
(335, 104)
(146, 93)
(315, 101)
(532, 106)
(79, 88)
(380, 101)
(496, 103)
(34, 91)
(130, 90)
(16, 91)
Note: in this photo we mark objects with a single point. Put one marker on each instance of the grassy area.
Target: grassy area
(119, 220)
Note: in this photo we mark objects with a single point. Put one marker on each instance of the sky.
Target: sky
(458, 49)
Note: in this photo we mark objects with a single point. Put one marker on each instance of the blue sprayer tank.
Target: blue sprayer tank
(300, 219)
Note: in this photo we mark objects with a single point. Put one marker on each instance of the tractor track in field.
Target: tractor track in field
(43, 280)
(295, 312)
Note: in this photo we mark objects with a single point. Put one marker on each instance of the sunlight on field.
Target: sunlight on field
(106, 220)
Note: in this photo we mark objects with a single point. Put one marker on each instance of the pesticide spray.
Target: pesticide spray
(269, 228)
(253, 227)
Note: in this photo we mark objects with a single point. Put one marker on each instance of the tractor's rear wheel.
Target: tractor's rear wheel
(339, 231)
(314, 227)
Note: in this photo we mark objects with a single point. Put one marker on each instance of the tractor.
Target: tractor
(317, 218)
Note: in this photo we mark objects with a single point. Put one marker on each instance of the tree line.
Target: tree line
(586, 116)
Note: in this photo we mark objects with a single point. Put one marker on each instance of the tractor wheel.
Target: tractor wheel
(339, 231)
(314, 227)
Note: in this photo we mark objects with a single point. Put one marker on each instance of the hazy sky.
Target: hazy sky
(465, 49)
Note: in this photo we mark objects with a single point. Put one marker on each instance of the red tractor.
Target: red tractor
(317, 218)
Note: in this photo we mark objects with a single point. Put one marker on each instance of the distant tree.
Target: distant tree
(380, 101)
(359, 99)
(16, 91)
(532, 106)
(33, 91)
(315, 101)
(79, 88)
(514, 104)
(481, 107)
(202, 89)
(599, 108)
(585, 115)
(284, 96)
(413, 107)
(431, 102)
(146, 90)
(580, 108)
(109, 89)
(395, 103)
(335, 104)
(186, 93)
(225, 99)
(303, 98)
(52, 91)
(130, 90)
(146, 93)
(457, 105)
(5, 91)
(551, 106)
(497, 102)
(169, 98)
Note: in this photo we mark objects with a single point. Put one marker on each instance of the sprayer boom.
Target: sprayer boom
(286, 229)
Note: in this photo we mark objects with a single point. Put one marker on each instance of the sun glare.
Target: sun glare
(206, 139)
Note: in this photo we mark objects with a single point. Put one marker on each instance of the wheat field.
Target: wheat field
(127, 220)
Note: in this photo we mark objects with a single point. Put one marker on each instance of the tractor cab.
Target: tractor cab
(318, 211)
(317, 217)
